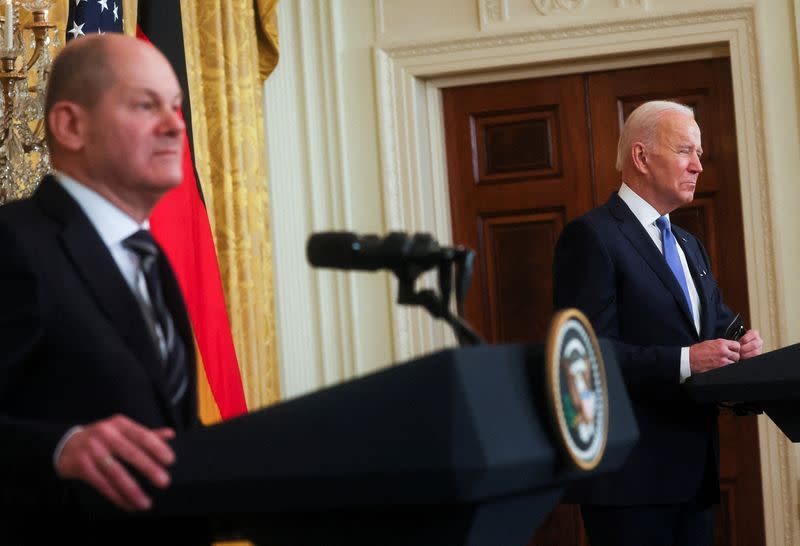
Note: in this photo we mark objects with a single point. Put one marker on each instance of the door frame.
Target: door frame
(409, 79)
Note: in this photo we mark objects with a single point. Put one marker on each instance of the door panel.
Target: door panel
(518, 164)
(526, 157)
(506, 243)
(501, 159)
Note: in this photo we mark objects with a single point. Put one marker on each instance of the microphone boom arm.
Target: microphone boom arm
(438, 305)
(407, 257)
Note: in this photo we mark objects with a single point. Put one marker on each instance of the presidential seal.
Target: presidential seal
(577, 389)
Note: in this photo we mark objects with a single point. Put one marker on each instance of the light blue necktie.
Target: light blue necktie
(673, 260)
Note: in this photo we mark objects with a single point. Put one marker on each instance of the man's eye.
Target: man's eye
(144, 105)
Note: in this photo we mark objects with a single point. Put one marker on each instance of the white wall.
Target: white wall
(354, 142)
(324, 175)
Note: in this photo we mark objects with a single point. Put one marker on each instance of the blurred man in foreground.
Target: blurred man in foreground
(97, 367)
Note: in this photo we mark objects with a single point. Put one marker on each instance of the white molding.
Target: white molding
(549, 7)
(287, 172)
(580, 66)
(342, 288)
(492, 13)
(317, 312)
(641, 4)
(380, 20)
(401, 68)
(779, 474)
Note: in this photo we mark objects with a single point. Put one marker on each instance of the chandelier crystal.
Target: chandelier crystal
(26, 54)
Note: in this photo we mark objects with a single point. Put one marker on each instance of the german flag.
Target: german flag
(180, 224)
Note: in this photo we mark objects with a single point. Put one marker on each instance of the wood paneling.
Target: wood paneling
(725, 515)
(563, 527)
(515, 151)
(526, 157)
(517, 255)
(699, 218)
(516, 145)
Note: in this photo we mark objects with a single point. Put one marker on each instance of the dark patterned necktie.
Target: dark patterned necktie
(672, 257)
(158, 317)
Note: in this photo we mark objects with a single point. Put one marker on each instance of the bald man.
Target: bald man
(97, 369)
(647, 285)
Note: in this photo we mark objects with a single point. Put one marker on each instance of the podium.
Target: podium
(768, 383)
(454, 448)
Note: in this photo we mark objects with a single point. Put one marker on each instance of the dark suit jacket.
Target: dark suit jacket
(74, 347)
(607, 266)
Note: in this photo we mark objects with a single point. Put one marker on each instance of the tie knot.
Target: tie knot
(143, 244)
(663, 223)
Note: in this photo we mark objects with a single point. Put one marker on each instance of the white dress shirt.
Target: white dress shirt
(647, 216)
(113, 226)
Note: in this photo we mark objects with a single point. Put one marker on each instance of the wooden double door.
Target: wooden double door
(526, 157)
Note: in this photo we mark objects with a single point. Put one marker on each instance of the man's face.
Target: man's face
(673, 164)
(134, 141)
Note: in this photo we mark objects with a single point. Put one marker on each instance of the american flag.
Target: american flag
(93, 17)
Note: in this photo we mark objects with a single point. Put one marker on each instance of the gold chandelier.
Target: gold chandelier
(26, 53)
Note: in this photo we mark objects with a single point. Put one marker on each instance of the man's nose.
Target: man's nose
(695, 165)
(172, 122)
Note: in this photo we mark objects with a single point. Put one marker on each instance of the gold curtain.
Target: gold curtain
(231, 46)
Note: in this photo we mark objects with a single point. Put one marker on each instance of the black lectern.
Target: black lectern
(768, 383)
(453, 448)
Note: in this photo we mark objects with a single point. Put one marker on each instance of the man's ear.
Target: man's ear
(639, 157)
(67, 124)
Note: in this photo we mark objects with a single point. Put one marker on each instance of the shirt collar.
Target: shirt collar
(111, 223)
(640, 208)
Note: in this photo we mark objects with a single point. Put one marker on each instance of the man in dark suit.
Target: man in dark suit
(648, 286)
(97, 368)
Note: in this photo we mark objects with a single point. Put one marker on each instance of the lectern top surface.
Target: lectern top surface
(770, 377)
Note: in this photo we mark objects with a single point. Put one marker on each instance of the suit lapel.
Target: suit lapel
(633, 230)
(698, 271)
(94, 263)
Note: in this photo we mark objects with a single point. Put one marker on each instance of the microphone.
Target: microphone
(408, 256)
(346, 250)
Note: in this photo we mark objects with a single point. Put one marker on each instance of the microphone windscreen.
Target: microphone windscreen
(331, 248)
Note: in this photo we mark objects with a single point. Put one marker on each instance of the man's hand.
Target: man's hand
(95, 453)
(713, 353)
(751, 343)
